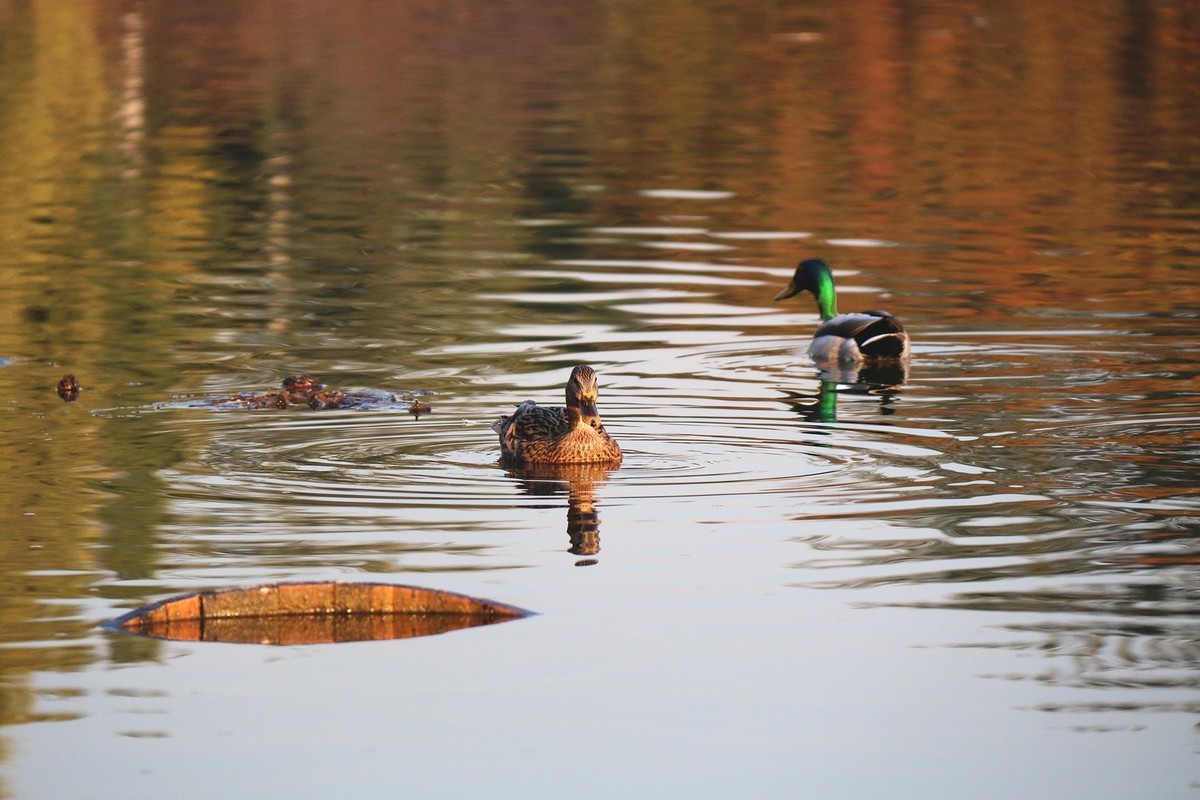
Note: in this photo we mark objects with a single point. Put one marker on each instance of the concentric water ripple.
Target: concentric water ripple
(722, 420)
(382, 461)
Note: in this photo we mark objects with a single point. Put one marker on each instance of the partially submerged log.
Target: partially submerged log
(311, 613)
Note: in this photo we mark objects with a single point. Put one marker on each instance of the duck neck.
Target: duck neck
(584, 413)
(826, 294)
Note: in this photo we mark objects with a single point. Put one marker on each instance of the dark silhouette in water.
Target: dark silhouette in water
(68, 388)
(580, 482)
(296, 390)
(310, 391)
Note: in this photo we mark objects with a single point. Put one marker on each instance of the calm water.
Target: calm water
(980, 583)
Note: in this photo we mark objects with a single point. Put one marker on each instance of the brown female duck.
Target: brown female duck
(554, 435)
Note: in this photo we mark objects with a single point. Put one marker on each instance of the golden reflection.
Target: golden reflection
(310, 628)
(580, 482)
(53, 111)
(132, 112)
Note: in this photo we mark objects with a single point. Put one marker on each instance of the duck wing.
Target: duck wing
(883, 338)
(531, 421)
(877, 333)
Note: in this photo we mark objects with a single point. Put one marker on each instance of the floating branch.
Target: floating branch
(311, 613)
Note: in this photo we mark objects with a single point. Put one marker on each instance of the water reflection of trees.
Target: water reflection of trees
(1118, 635)
(1101, 607)
(579, 482)
(81, 496)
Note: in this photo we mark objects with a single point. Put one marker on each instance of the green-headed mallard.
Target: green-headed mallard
(553, 435)
(868, 336)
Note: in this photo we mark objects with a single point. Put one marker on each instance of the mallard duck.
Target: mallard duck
(868, 336)
(553, 435)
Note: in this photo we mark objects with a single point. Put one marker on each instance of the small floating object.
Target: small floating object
(295, 390)
(311, 613)
(68, 388)
(310, 391)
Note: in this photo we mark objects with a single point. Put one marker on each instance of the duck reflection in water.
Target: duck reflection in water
(549, 447)
(882, 380)
(580, 482)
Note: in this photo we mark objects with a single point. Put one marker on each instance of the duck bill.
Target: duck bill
(588, 415)
(787, 292)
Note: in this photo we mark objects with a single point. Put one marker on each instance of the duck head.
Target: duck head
(582, 391)
(813, 275)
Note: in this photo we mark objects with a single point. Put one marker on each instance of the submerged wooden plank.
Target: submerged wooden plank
(295, 613)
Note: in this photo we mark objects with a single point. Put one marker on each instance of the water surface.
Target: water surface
(978, 579)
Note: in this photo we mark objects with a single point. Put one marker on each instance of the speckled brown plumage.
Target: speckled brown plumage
(556, 435)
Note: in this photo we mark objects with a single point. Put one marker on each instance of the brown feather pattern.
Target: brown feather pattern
(558, 435)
